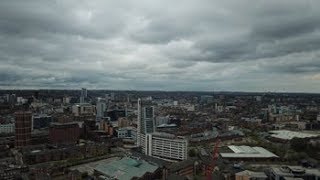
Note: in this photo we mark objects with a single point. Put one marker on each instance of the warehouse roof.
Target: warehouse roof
(248, 152)
(288, 135)
(126, 168)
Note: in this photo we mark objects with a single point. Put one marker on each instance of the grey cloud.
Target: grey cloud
(180, 45)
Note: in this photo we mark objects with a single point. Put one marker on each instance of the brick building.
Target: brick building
(64, 133)
(23, 128)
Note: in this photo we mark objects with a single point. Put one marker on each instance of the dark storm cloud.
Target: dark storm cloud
(168, 45)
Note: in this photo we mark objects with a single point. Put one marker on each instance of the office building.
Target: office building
(64, 133)
(146, 121)
(66, 100)
(23, 126)
(206, 99)
(101, 108)
(123, 122)
(84, 95)
(7, 128)
(41, 121)
(112, 96)
(84, 92)
(127, 133)
(159, 145)
(166, 146)
(84, 109)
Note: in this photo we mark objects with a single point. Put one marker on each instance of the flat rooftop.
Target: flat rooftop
(248, 152)
(288, 135)
(126, 168)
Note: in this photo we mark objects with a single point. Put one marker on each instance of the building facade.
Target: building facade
(146, 122)
(64, 133)
(159, 145)
(101, 108)
(83, 110)
(7, 128)
(41, 121)
(23, 123)
(166, 146)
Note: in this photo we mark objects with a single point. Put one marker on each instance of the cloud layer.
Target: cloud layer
(161, 45)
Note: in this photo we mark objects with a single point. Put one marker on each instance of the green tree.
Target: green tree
(192, 152)
(299, 144)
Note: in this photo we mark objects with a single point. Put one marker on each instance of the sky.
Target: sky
(184, 45)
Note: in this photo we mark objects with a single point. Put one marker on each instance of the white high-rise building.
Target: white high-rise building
(160, 145)
(166, 146)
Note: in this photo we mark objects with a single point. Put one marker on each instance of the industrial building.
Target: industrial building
(286, 135)
(248, 153)
(293, 172)
(128, 168)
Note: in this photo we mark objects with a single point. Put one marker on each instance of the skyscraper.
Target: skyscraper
(101, 107)
(84, 92)
(146, 121)
(159, 145)
(23, 127)
(84, 95)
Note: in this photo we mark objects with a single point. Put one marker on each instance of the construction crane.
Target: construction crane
(215, 155)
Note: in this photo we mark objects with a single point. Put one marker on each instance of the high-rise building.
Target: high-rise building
(101, 108)
(23, 126)
(84, 95)
(84, 92)
(166, 146)
(112, 96)
(159, 145)
(146, 121)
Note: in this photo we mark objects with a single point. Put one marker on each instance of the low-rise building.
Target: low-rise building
(248, 153)
(250, 175)
(293, 172)
(7, 128)
(128, 168)
(41, 121)
(83, 109)
(286, 135)
(127, 133)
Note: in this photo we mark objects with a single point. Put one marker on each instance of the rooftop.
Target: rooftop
(248, 152)
(288, 135)
(252, 174)
(126, 168)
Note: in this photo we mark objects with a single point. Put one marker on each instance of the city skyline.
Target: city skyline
(249, 46)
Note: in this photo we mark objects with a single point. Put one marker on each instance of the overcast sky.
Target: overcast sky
(233, 45)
